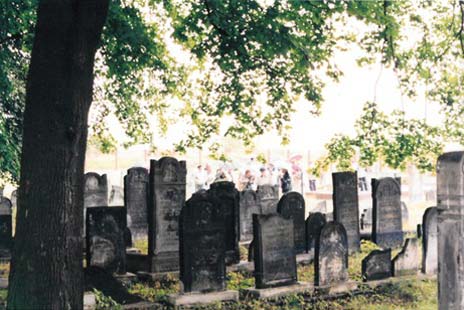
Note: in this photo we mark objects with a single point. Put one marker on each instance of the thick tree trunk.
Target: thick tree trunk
(46, 269)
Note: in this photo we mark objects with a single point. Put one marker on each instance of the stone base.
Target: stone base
(157, 276)
(276, 292)
(196, 299)
(90, 303)
(243, 266)
(304, 259)
(127, 278)
(133, 251)
(376, 283)
(143, 305)
(337, 288)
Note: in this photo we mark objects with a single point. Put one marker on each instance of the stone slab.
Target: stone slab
(142, 305)
(196, 299)
(243, 266)
(90, 302)
(276, 292)
(149, 276)
(338, 288)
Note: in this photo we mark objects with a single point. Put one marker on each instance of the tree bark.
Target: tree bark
(46, 268)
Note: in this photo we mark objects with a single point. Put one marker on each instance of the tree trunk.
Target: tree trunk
(46, 269)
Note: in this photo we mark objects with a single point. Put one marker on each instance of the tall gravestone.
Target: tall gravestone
(249, 205)
(429, 241)
(314, 224)
(268, 196)
(136, 201)
(228, 197)
(450, 207)
(6, 235)
(331, 255)
(202, 248)
(166, 198)
(387, 228)
(275, 258)
(345, 205)
(105, 238)
(292, 206)
(95, 190)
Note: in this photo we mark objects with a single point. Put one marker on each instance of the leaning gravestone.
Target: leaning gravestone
(314, 224)
(95, 190)
(345, 205)
(292, 206)
(387, 229)
(450, 207)
(331, 255)
(228, 197)
(407, 261)
(429, 241)
(249, 205)
(268, 197)
(105, 238)
(6, 236)
(275, 259)
(166, 198)
(377, 265)
(136, 201)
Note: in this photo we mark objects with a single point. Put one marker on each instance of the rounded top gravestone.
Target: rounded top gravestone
(136, 201)
(249, 205)
(95, 190)
(314, 224)
(430, 241)
(292, 206)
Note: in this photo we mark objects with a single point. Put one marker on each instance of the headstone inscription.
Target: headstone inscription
(6, 236)
(105, 238)
(202, 248)
(167, 187)
(450, 206)
(377, 265)
(268, 197)
(136, 201)
(430, 241)
(95, 190)
(331, 255)
(387, 229)
(407, 261)
(275, 259)
(314, 224)
(345, 205)
(249, 205)
(228, 197)
(292, 206)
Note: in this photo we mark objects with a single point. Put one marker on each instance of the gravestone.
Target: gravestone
(275, 258)
(202, 247)
(404, 212)
(292, 206)
(450, 207)
(136, 201)
(95, 190)
(6, 235)
(268, 197)
(166, 198)
(367, 219)
(430, 241)
(14, 198)
(105, 238)
(345, 205)
(249, 204)
(314, 224)
(377, 265)
(331, 255)
(228, 197)
(116, 196)
(387, 228)
(407, 261)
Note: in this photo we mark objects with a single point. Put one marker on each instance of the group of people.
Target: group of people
(249, 179)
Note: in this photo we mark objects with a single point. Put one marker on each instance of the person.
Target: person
(247, 181)
(209, 176)
(220, 176)
(200, 179)
(285, 181)
(263, 178)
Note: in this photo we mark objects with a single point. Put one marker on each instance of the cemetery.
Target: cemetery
(231, 155)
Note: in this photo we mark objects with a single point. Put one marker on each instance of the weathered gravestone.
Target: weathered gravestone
(345, 205)
(430, 241)
(331, 255)
(228, 197)
(116, 196)
(292, 206)
(6, 236)
(136, 201)
(249, 205)
(268, 197)
(404, 212)
(387, 228)
(275, 258)
(105, 238)
(407, 261)
(95, 190)
(166, 198)
(314, 224)
(450, 207)
(377, 265)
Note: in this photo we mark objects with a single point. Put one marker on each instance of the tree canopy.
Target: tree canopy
(249, 61)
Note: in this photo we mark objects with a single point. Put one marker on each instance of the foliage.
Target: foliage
(105, 302)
